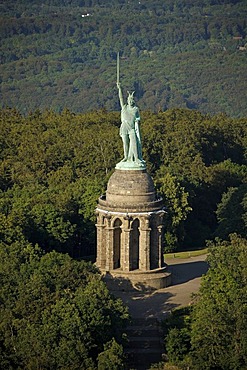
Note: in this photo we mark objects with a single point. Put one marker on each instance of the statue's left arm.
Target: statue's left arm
(137, 115)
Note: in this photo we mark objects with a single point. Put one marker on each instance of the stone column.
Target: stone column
(144, 248)
(160, 228)
(126, 233)
(154, 243)
(109, 232)
(160, 249)
(101, 245)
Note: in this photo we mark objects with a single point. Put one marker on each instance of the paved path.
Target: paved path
(186, 277)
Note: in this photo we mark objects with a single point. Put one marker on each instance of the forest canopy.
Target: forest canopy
(59, 54)
(211, 333)
(55, 310)
(54, 166)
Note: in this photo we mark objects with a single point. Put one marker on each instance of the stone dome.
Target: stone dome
(130, 191)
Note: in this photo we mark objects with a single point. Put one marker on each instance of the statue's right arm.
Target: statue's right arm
(120, 94)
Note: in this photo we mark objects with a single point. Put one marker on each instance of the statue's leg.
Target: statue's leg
(133, 151)
(126, 145)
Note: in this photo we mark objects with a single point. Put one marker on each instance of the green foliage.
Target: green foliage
(219, 324)
(53, 168)
(175, 197)
(211, 334)
(59, 58)
(176, 203)
(55, 312)
(177, 346)
(112, 357)
(232, 212)
(177, 329)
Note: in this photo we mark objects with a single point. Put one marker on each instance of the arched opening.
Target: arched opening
(134, 248)
(117, 244)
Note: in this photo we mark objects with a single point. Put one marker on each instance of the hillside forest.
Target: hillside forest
(174, 54)
(59, 140)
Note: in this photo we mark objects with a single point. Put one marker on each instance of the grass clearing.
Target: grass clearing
(187, 254)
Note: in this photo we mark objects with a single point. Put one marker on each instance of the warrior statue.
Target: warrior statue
(130, 131)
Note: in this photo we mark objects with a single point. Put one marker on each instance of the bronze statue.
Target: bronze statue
(130, 131)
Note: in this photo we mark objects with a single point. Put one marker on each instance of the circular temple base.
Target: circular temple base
(137, 280)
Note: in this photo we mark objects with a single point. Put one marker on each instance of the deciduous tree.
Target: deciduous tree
(219, 327)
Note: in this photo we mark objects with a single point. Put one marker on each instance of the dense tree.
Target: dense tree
(58, 56)
(177, 336)
(112, 358)
(219, 324)
(55, 311)
(232, 212)
(211, 334)
(177, 347)
(176, 202)
(54, 167)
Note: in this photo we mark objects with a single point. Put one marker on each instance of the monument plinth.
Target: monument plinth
(130, 222)
(130, 217)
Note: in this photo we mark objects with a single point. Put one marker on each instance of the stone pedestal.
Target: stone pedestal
(129, 225)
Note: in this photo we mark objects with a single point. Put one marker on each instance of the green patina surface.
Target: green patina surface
(130, 131)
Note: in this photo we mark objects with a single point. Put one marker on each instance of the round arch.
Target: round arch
(117, 237)
(135, 245)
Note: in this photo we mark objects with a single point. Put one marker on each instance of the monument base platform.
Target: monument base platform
(137, 280)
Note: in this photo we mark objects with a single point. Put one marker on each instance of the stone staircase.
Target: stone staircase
(145, 345)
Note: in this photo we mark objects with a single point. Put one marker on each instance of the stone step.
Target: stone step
(144, 336)
(143, 359)
(144, 322)
(142, 332)
(144, 343)
(144, 351)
